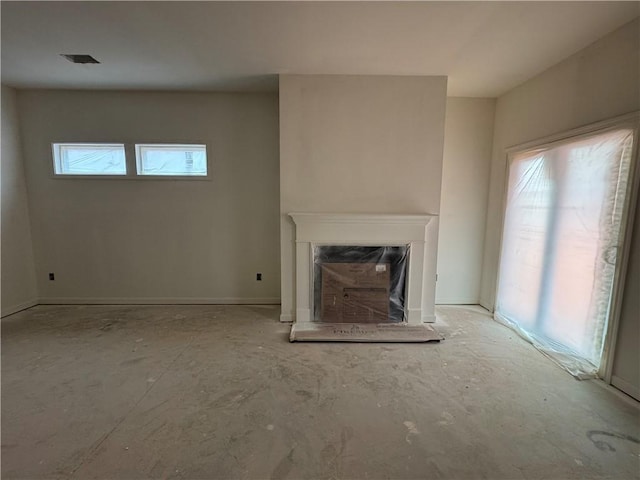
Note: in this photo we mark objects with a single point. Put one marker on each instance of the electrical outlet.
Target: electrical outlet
(52, 276)
(258, 277)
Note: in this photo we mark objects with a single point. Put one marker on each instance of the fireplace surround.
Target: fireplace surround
(368, 230)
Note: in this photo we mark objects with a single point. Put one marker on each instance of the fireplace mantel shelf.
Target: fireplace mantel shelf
(373, 218)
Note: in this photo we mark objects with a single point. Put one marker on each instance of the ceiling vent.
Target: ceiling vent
(75, 58)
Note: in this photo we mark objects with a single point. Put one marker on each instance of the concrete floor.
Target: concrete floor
(218, 392)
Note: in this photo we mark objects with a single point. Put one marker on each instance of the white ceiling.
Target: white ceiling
(486, 48)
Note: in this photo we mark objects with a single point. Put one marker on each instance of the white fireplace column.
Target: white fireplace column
(360, 230)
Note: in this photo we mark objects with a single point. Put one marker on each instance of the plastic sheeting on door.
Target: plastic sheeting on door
(561, 234)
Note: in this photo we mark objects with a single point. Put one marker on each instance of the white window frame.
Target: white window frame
(131, 162)
(175, 146)
(56, 151)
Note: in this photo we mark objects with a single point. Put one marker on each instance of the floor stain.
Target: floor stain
(606, 446)
(133, 361)
(284, 466)
(305, 394)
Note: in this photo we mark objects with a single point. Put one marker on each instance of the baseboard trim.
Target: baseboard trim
(626, 387)
(286, 317)
(158, 301)
(6, 311)
(428, 319)
(457, 301)
(486, 305)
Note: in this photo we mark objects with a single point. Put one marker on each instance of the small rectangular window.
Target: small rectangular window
(171, 160)
(89, 159)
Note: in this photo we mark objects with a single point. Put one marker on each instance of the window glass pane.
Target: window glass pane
(89, 159)
(177, 160)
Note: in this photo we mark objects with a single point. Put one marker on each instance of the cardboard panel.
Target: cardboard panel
(355, 292)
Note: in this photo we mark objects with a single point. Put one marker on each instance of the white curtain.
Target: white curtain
(561, 234)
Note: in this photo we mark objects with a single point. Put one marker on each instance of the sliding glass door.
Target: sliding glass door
(562, 229)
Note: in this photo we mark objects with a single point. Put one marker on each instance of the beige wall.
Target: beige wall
(156, 240)
(359, 144)
(18, 273)
(602, 81)
(599, 82)
(468, 137)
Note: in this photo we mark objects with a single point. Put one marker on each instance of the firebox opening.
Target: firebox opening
(359, 284)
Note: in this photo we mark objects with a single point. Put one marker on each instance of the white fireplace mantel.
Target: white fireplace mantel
(359, 229)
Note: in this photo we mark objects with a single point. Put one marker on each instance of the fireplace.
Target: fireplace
(361, 277)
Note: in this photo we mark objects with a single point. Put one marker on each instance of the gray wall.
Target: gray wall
(18, 273)
(156, 240)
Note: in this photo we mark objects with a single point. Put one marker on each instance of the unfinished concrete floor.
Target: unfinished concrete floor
(218, 392)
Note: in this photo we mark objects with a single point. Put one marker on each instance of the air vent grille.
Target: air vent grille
(78, 58)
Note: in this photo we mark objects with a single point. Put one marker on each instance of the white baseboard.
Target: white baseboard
(6, 311)
(159, 301)
(486, 305)
(428, 318)
(626, 387)
(458, 301)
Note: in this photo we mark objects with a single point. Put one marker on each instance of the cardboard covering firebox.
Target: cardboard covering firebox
(355, 292)
(356, 284)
